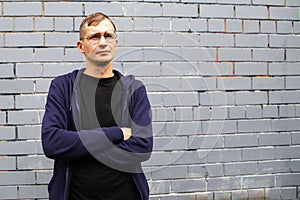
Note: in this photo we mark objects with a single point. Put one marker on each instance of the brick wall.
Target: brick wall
(223, 77)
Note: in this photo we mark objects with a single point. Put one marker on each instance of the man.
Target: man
(97, 124)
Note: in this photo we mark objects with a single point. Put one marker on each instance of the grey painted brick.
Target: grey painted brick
(284, 13)
(207, 170)
(159, 128)
(292, 82)
(238, 83)
(295, 165)
(180, 69)
(180, 24)
(180, 39)
(161, 24)
(258, 154)
(288, 152)
(55, 69)
(292, 3)
(30, 102)
(139, 9)
(181, 99)
(7, 133)
(258, 181)
(164, 84)
(272, 167)
(23, 24)
(216, 25)
(124, 24)
(19, 148)
(273, 193)
(62, 9)
(202, 113)
(216, 98)
(159, 187)
(63, 24)
(249, 40)
(237, 112)
(287, 111)
(17, 177)
(170, 143)
(198, 25)
(16, 86)
(252, 12)
(223, 156)
(217, 11)
(268, 55)
(215, 69)
(239, 194)
(33, 191)
(159, 54)
(3, 118)
(243, 98)
(269, 2)
(271, 83)
(155, 99)
(219, 113)
(198, 84)
(284, 41)
(234, 2)
(256, 193)
(289, 193)
(205, 142)
(183, 128)
(169, 172)
(234, 54)
(283, 97)
(22, 8)
(216, 40)
(226, 183)
(285, 124)
(30, 132)
(284, 69)
(6, 24)
(61, 39)
(184, 114)
(6, 102)
(253, 112)
(219, 127)
(251, 26)
(44, 23)
(245, 140)
(142, 69)
(268, 27)
(288, 179)
(29, 70)
(200, 54)
(296, 138)
(142, 24)
(292, 54)
(189, 157)
(7, 70)
(275, 139)
(23, 117)
(234, 25)
(23, 39)
(110, 9)
(8, 163)
(270, 111)
(34, 162)
(142, 39)
(72, 54)
(257, 125)
(49, 54)
(191, 185)
(16, 55)
(284, 27)
(8, 192)
(42, 85)
(240, 168)
(43, 176)
(183, 10)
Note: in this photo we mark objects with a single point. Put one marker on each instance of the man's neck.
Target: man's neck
(99, 71)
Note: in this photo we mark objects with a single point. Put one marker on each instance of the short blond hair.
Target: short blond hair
(94, 20)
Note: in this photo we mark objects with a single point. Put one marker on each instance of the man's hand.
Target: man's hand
(126, 133)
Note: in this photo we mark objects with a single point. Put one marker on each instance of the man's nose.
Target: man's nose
(102, 40)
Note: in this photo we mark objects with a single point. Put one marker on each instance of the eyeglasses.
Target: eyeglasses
(95, 38)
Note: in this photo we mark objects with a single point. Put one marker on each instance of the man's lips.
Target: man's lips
(103, 52)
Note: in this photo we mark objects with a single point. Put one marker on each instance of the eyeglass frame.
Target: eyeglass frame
(109, 39)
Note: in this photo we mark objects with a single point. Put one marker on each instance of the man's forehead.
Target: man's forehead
(105, 24)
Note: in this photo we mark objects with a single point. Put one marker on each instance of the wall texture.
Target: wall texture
(223, 77)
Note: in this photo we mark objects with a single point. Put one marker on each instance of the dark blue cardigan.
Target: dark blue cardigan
(63, 142)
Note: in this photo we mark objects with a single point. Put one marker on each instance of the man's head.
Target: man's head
(97, 41)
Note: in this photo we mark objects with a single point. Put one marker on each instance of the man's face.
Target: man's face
(102, 52)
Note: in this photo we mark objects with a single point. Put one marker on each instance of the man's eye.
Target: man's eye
(108, 35)
(94, 37)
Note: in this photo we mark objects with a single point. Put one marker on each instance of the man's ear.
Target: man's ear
(80, 46)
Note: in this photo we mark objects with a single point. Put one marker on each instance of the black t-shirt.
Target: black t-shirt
(91, 179)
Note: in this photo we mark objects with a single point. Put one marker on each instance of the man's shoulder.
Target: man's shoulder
(65, 78)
